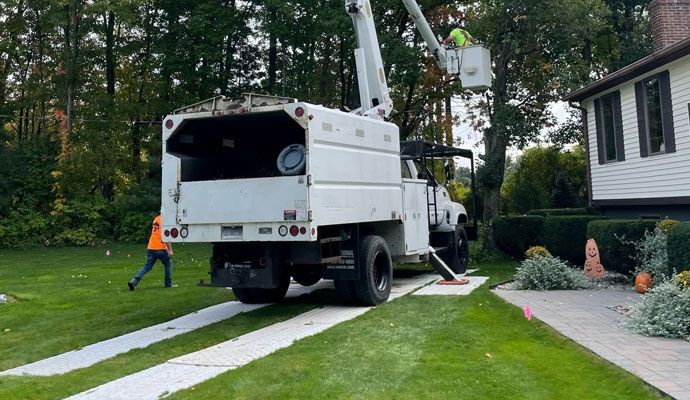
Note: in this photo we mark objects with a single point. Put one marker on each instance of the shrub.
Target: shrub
(514, 235)
(664, 311)
(679, 246)
(79, 221)
(547, 273)
(135, 227)
(617, 256)
(684, 279)
(535, 251)
(566, 236)
(563, 194)
(547, 212)
(24, 227)
(666, 225)
(651, 254)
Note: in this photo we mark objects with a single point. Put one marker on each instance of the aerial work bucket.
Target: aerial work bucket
(472, 64)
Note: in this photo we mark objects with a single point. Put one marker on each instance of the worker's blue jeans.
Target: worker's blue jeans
(152, 256)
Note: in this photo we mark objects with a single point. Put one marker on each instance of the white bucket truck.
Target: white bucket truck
(285, 188)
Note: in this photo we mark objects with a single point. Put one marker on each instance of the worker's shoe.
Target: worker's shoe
(171, 286)
(132, 285)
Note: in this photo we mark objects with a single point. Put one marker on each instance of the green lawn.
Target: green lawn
(435, 348)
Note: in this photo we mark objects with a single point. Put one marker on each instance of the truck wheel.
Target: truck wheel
(306, 274)
(261, 295)
(375, 272)
(458, 255)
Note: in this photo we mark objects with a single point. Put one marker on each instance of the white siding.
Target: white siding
(665, 175)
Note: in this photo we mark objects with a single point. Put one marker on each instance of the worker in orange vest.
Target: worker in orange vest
(157, 250)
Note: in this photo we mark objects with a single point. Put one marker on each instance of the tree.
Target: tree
(562, 195)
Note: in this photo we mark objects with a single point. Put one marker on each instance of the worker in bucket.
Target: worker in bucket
(459, 36)
(157, 250)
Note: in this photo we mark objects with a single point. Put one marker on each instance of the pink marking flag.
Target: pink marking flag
(528, 313)
(107, 253)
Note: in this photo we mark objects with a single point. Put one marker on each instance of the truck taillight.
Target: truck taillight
(166, 233)
(174, 232)
(184, 232)
(283, 230)
(169, 124)
(294, 230)
(299, 111)
(302, 230)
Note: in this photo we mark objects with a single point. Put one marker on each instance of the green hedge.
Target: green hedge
(616, 256)
(679, 247)
(547, 212)
(514, 235)
(566, 236)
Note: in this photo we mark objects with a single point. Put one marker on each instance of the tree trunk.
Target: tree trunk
(110, 53)
(272, 55)
(343, 82)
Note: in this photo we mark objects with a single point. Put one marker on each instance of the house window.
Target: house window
(655, 123)
(609, 124)
(655, 115)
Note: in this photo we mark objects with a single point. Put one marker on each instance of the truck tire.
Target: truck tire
(262, 295)
(306, 274)
(458, 254)
(375, 272)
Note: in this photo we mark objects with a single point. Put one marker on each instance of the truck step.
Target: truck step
(440, 266)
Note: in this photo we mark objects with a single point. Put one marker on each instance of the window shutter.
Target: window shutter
(641, 119)
(618, 129)
(667, 112)
(600, 131)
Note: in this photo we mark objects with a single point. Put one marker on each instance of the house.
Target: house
(637, 125)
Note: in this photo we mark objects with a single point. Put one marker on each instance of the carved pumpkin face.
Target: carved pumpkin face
(591, 250)
(593, 267)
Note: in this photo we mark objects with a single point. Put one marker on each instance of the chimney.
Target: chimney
(670, 20)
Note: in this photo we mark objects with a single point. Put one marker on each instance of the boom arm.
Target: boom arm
(373, 89)
(427, 34)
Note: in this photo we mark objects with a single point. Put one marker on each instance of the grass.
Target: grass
(435, 348)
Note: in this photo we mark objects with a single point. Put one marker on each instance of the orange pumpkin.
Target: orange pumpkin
(643, 282)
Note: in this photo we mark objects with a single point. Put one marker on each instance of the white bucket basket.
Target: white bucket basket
(472, 64)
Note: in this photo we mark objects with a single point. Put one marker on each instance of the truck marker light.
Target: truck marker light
(283, 230)
(166, 233)
(311, 116)
(313, 231)
(243, 110)
(299, 112)
(174, 232)
(294, 230)
(169, 124)
(302, 230)
(184, 232)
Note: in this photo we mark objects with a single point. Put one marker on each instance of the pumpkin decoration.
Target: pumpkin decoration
(593, 266)
(643, 282)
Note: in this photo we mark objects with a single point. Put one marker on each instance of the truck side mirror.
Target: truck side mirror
(447, 171)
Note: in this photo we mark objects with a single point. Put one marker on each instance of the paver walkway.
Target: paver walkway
(582, 316)
(194, 368)
(106, 349)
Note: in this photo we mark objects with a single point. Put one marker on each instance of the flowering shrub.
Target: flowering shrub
(537, 251)
(664, 311)
(547, 273)
(666, 225)
(684, 279)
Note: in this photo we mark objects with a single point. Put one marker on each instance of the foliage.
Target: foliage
(666, 225)
(566, 236)
(562, 195)
(24, 227)
(532, 183)
(664, 311)
(79, 221)
(548, 273)
(535, 251)
(684, 278)
(651, 254)
(678, 246)
(514, 235)
(547, 212)
(459, 192)
(617, 256)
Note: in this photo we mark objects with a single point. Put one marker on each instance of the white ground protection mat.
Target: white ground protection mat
(194, 368)
(453, 290)
(106, 349)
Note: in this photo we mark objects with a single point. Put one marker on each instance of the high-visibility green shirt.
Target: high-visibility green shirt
(462, 37)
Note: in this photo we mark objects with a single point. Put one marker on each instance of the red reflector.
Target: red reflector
(313, 231)
(167, 232)
(174, 232)
(294, 230)
(169, 124)
(242, 110)
(302, 230)
(299, 111)
(311, 116)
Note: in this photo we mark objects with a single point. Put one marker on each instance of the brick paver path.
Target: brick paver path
(582, 316)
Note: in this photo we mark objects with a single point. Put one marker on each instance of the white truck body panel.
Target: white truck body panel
(416, 220)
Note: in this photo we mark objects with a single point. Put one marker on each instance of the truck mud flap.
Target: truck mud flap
(347, 267)
(248, 274)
